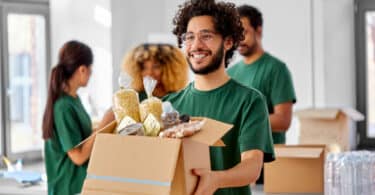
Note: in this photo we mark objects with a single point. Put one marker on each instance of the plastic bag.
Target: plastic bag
(183, 130)
(125, 100)
(151, 107)
(170, 116)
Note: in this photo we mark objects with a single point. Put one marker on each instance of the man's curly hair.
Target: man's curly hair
(226, 20)
(173, 63)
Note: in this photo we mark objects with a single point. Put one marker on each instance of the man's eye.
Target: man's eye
(189, 38)
(206, 37)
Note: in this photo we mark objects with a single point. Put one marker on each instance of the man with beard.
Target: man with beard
(264, 72)
(210, 32)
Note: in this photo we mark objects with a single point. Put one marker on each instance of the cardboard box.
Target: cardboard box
(150, 165)
(328, 126)
(297, 169)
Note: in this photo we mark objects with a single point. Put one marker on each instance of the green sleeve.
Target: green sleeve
(255, 132)
(282, 89)
(67, 127)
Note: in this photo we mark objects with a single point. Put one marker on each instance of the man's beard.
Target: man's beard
(249, 50)
(213, 65)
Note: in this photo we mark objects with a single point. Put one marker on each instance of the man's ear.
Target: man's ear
(228, 43)
(259, 31)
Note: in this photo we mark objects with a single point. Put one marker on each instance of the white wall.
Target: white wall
(88, 21)
(133, 22)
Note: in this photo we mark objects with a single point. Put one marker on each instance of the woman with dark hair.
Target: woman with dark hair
(66, 123)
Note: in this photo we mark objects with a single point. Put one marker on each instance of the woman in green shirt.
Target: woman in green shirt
(66, 123)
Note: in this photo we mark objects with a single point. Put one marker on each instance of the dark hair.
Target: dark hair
(72, 55)
(252, 14)
(226, 20)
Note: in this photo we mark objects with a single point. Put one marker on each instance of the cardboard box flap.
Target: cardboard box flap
(139, 160)
(211, 132)
(329, 113)
(353, 114)
(318, 113)
(298, 152)
(109, 128)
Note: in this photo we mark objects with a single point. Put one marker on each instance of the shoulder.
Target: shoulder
(234, 67)
(275, 63)
(177, 94)
(63, 103)
(249, 93)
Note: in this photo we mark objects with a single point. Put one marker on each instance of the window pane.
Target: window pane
(370, 28)
(27, 80)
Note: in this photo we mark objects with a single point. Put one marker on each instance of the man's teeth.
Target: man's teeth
(199, 56)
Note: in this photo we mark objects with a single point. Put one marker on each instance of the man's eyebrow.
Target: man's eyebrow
(203, 30)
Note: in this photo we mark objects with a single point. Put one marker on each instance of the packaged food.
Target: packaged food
(126, 121)
(183, 130)
(152, 126)
(151, 109)
(170, 116)
(151, 105)
(125, 100)
(133, 129)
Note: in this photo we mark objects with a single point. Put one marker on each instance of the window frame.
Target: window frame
(18, 7)
(361, 7)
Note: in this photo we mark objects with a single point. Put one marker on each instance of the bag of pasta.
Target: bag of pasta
(151, 109)
(125, 100)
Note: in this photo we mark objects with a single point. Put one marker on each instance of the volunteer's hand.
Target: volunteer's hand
(108, 117)
(207, 182)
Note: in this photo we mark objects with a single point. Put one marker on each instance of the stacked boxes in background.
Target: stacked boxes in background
(329, 126)
(300, 168)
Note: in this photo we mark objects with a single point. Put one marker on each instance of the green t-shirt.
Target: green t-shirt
(72, 124)
(235, 104)
(271, 77)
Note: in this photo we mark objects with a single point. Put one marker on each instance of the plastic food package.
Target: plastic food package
(133, 129)
(125, 100)
(151, 109)
(183, 130)
(170, 116)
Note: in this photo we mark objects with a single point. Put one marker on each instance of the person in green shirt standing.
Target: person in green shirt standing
(264, 72)
(66, 123)
(210, 32)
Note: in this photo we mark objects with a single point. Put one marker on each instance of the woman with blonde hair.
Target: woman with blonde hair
(164, 62)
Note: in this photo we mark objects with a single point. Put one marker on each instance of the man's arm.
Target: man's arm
(244, 173)
(282, 117)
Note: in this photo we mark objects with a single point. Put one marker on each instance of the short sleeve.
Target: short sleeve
(255, 130)
(67, 127)
(282, 89)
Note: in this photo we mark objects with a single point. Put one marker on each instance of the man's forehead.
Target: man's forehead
(201, 23)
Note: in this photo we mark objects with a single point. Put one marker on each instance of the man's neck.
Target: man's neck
(212, 80)
(254, 57)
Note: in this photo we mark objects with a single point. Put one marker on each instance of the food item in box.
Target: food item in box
(152, 126)
(125, 100)
(151, 105)
(183, 130)
(132, 129)
(126, 121)
(170, 116)
(151, 109)
(126, 103)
